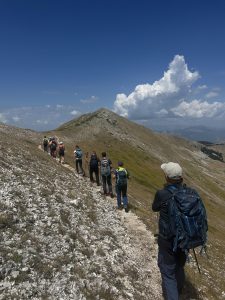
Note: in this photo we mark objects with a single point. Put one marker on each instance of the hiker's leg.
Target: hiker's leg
(77, 165)
(109, 182)
(81, 168)
(81, 171)
(118, 196)
(124, 195)
(167, 266)
(91, 175)
(104, 184)
(97, 176)
(180, 275)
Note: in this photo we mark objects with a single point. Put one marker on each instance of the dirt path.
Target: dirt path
(144, 247)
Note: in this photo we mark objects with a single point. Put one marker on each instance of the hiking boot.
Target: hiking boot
(120, 207)
(126, 209)
(111, 195)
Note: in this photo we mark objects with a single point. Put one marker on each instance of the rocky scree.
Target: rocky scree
(59, 238)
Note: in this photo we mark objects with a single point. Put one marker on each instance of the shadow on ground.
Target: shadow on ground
(190, 292)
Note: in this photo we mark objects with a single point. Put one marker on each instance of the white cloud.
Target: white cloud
(162, 113)
(3, 118)
(198, 109)
(211, 94)
(92, 99)
(202, 87)
(149, 100)
(39, 117)
(170, 97)
(45, 122)
(16, 119)
(74, 112)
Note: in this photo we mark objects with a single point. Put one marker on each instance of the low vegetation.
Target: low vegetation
(47, 215)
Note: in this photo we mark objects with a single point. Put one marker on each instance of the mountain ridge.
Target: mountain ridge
(142, 151)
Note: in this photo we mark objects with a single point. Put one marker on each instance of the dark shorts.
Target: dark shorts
(61, 153)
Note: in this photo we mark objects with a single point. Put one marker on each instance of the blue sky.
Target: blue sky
(160, 63)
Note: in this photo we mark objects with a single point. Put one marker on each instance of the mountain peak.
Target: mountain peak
(105, 113)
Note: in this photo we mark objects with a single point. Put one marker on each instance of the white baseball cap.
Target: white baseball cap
(172, 170)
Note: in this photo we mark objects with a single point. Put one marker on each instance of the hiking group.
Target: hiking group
(182, 216)
(53, 148)
(101, 169)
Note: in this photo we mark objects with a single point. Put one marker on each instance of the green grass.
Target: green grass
(146, 178)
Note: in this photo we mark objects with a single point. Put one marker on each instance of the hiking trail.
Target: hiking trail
(144, 246)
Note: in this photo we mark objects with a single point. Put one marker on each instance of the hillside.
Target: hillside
(62, 240)
(142, 151)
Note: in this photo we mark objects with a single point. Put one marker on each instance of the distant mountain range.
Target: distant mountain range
(202, 133)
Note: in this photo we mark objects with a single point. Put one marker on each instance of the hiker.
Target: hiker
(172, 251)
(121, 175)
(53, 147)
(93, 167)
(61, 152)
(78, 157)
(86, 162)
(105, 168)
(45, 143)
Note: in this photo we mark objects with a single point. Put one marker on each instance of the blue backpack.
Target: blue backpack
(105, 167)
(187, 218)
(79, 153)
(121, 177)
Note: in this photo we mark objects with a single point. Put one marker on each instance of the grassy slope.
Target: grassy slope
(143, 162)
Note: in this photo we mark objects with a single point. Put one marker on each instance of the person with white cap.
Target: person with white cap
(171, 264)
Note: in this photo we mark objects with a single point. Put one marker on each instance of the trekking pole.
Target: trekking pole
(196, 261)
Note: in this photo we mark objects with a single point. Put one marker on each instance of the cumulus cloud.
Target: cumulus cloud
(198, 109)
(149, 99)
(170, 97)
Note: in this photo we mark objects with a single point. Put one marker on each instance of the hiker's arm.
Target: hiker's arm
(156, 205)
(114, 173)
